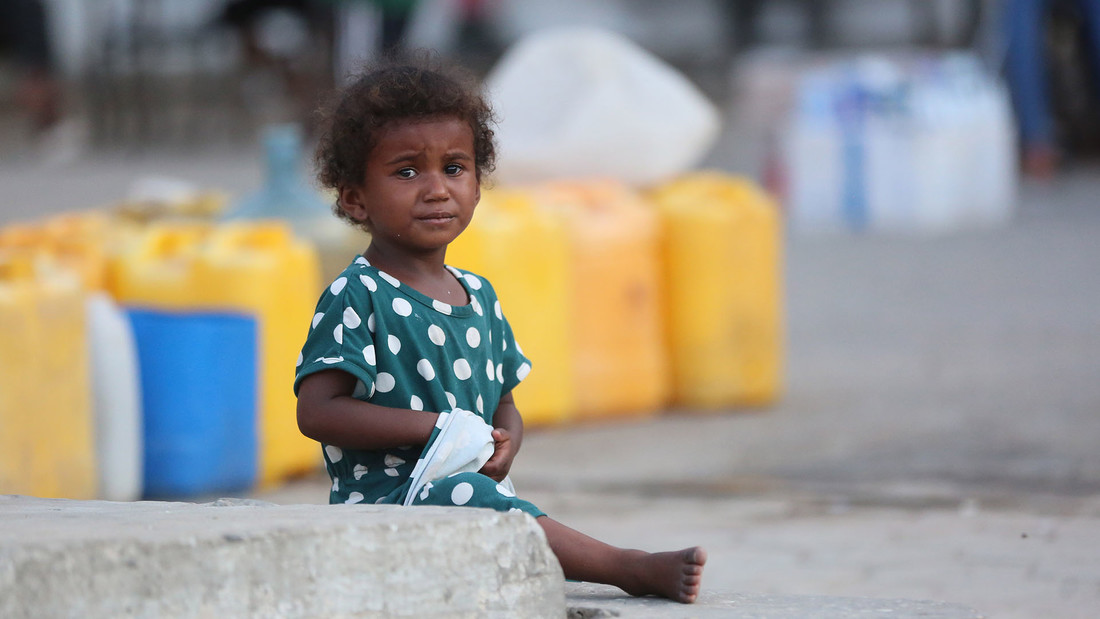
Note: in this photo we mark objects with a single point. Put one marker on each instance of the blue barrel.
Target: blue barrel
(198, 383)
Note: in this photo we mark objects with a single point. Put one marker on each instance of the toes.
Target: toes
(695, 556)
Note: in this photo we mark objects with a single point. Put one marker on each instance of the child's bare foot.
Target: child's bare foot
(674, 575)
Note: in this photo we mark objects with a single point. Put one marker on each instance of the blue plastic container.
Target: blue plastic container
(198, 384)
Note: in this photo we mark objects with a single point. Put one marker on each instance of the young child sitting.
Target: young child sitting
(410, 361)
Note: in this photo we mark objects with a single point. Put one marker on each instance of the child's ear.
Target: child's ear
(353, 202)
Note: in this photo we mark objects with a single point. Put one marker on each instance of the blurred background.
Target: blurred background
(848, 249)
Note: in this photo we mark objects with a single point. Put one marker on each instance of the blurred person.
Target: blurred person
(284, 37)
(1024, 23)
(403, 348)
(24, 34)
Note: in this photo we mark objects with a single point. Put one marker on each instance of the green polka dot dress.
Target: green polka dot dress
(410, 351)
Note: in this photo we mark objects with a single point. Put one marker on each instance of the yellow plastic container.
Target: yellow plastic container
(618, 342)
(85, 242)
(79, 241)
(158, 270)
(524, 251)
(47, 443)
(260, 269)
(723, 282)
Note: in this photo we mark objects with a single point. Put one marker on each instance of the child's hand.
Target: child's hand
(503, 453)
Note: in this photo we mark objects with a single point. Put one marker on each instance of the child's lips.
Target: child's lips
(436, 218)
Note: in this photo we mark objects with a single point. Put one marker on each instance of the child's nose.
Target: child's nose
(435, 187)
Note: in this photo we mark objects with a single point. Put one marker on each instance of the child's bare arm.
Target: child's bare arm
(327, 413)
(507, 436)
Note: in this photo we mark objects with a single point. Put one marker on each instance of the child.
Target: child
(401, 342)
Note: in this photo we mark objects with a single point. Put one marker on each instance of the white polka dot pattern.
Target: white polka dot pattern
(389, 278)
(462, 493)
(424, 367)
(384, 382)
(351, 319)
(462, 355)
(436, 335)
(462, 369)
(401, 307)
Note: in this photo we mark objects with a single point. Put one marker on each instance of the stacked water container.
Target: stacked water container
(616, 332)
(216, 312)
(85, 401)
(47, 443)
(721, 252)
(918, 144)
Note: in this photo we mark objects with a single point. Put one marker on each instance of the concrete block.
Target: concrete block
(241, 558)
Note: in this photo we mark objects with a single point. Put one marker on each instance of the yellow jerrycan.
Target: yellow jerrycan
(47, 442)
(79, 241)
(158, 270)
(723, 282)
(259, 268)
(86, 240)
(524, 252)
(618, 343)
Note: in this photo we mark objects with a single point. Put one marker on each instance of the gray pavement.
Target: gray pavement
(937, 439)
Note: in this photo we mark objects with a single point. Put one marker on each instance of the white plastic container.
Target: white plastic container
(116, 399)
(921, 144)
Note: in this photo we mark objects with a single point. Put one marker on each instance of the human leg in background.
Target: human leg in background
(1024, 21)
(675, 575)
(1090, 13)
(24, 31)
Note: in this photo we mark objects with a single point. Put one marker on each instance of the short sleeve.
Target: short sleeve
(341, 336)
(515, 366)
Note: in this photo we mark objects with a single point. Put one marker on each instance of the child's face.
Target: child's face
(420, 186)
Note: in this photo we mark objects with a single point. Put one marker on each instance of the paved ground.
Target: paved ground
(937, 440)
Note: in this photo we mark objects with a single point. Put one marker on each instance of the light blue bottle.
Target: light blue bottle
(284, 194)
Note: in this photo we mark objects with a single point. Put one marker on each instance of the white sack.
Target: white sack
(582, 102)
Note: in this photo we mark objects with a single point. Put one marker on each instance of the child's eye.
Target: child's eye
(406, 173)
(453, 169)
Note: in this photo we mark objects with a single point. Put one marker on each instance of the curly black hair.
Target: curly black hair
(393, 90)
